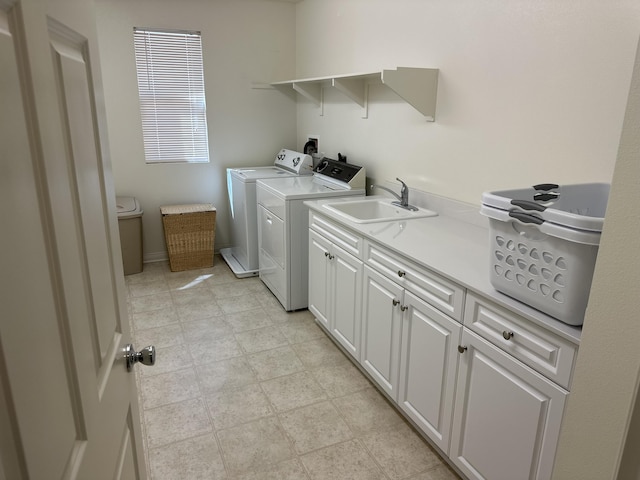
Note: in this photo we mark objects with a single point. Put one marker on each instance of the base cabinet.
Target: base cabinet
(428, 366)
(346, 295)
(487, 386)
(507, 417)
(409, 348)
(381, 330)
(319, 277)
(335, 291)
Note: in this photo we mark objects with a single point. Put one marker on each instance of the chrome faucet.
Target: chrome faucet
(403, 198)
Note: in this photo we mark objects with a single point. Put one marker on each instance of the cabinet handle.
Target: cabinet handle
(401, 273)
(326, 254)
(403, 307)
(461, 349)
(331, 257)
(507, 335)
(395, 302)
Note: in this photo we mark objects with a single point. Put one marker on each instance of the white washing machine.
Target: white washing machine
(242, 256)
(283, 225)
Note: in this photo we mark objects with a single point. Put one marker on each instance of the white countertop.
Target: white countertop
(452, 248)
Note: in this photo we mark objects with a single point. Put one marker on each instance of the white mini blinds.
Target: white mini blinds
(172, 101)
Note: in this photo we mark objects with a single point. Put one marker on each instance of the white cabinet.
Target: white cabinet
(537, 347)
(486, 385)
(319, 277)
(443, 294)
(346, 299)
(335, 287)
(507, 416)
(381, 330)
(428, 366)
(409, 348)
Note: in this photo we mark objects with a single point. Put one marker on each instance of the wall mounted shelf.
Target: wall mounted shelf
(416, 86)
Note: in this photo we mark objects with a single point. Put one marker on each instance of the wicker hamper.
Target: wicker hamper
(189, 231)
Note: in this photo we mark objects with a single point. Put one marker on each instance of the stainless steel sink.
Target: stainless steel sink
(375, 210)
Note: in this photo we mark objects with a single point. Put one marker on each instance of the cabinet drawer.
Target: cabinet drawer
(340, 236)
(545, 352)
(444, 295)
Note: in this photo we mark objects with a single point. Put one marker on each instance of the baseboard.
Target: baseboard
(159, 257)
(155, 257)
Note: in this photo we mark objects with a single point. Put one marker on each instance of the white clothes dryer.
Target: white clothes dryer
(283, 225)
(242, 256)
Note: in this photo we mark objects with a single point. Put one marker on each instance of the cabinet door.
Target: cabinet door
(428, 366)
(507, 417)
(319, 277)
(346, 300)
(381, 330)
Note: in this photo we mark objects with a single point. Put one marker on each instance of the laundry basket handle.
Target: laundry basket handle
(546, 186)
(545, 197)
(526, 217)
(528, 205)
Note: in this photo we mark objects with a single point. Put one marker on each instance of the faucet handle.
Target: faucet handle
(404, 194)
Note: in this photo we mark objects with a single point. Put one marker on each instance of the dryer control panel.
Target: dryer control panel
(347, 173)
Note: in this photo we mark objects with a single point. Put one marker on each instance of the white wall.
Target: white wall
(603, 394)
(529, 91)
(243, 42)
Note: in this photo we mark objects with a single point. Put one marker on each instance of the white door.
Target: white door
(67, 402)
(428, 367)
(381, 330)
(506, 416)
(346, 299)
(319, 277)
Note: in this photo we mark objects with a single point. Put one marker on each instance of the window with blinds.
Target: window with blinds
(172, 101)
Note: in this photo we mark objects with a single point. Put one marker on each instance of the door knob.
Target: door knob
(146, 356)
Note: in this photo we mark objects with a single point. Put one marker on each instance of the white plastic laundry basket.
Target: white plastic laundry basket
(544, 264)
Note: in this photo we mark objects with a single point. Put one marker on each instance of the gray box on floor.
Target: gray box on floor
(130, 226)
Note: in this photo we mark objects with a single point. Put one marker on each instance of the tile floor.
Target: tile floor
(243, 390)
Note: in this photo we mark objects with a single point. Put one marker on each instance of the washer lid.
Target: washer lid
(251, 174)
